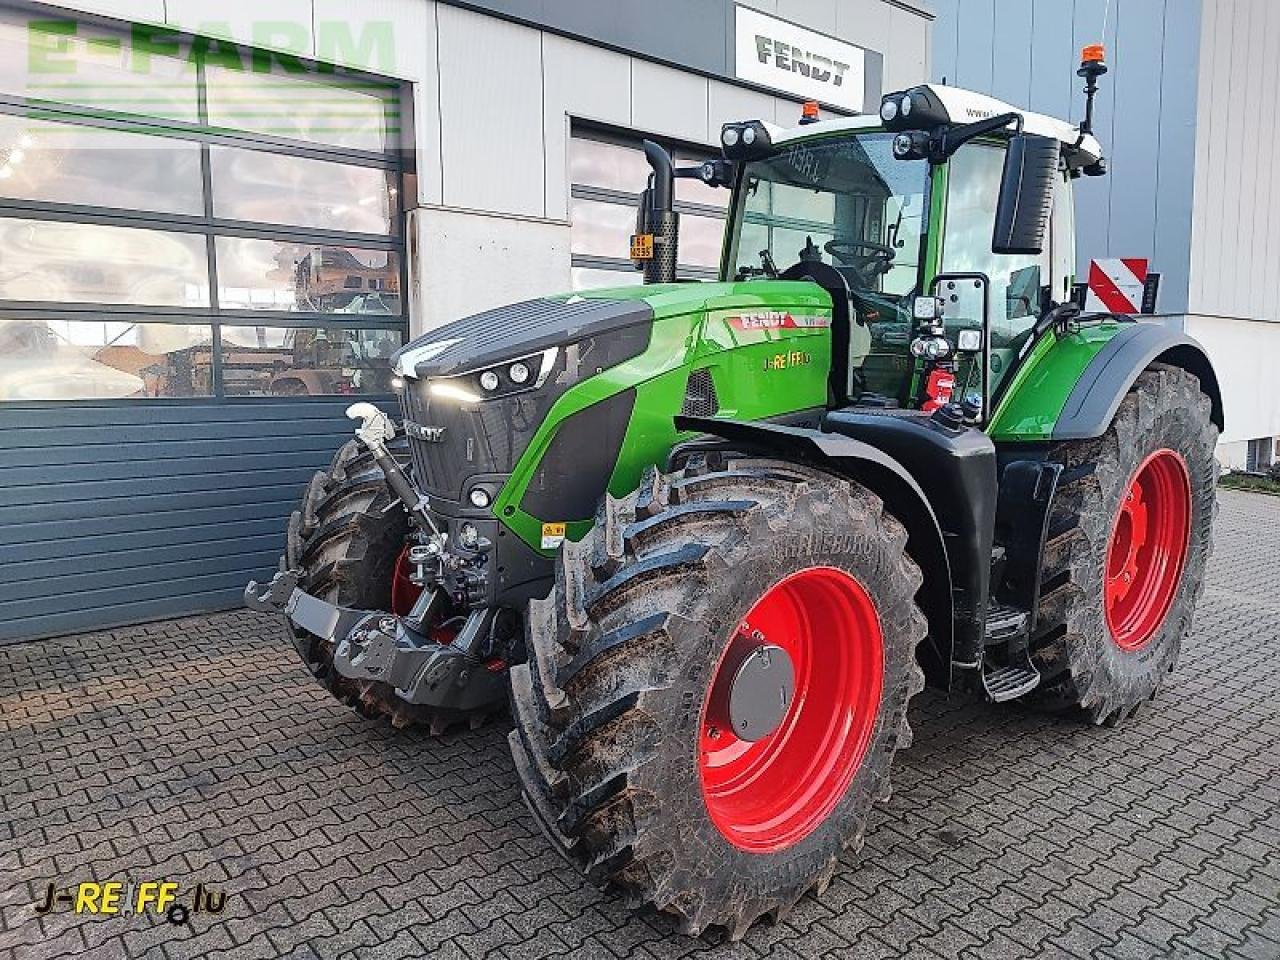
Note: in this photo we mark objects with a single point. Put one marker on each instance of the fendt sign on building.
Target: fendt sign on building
(778, 54)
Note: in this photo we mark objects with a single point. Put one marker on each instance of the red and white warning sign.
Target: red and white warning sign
(1115, 286)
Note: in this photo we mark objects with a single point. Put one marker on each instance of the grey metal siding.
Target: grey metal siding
(1027, 51)
(698, 35)
(1236, 259)
(113, 513)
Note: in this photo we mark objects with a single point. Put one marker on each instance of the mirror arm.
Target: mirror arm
(947, 140)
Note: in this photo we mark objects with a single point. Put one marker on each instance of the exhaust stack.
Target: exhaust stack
(655, 244)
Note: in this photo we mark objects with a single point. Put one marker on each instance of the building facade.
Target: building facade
(216, 222)
(1188, 117)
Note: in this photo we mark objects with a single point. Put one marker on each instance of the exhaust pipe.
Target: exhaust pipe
(656, 218)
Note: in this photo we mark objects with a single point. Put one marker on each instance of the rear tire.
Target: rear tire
(611, 708)
(346, 539)
(1096, 650)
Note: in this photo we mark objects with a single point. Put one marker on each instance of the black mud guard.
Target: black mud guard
(1093, 402)
(888, 479)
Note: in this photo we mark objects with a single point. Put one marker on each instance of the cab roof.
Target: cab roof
(962, 106)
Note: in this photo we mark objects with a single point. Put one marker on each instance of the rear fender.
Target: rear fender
(887, 478)
(1093, 402)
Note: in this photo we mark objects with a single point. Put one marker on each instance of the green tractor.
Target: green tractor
(710, 538)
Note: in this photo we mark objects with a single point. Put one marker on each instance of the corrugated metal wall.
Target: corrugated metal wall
(1236, 252)
(113, 513)
(1026, 52)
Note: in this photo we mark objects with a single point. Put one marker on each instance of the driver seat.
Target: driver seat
(833, 281)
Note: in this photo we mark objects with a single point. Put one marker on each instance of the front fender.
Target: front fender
(887, 478)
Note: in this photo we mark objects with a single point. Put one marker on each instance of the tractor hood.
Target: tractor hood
(532, 326)
(516, 330)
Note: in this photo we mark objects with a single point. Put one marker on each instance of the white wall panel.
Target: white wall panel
(149, 11)
(1236, 235)
(471, 262)
(726, 102)
(817, 15)
(280, 25)
(906, 61)
(668, 102)
(411, 25)
(1245, 355)
(581, 81)
(491, 121)
(863, 22)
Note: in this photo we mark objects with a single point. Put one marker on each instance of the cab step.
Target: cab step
(1009, 683)
(1008, 628)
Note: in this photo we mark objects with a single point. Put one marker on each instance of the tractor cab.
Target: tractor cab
(942, 243)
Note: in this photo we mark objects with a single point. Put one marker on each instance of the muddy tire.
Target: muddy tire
(619, 755)
(346, 542)
(1129, 537)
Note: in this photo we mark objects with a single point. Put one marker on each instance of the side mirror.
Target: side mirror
(1026, 195)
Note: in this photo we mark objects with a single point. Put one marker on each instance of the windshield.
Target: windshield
(844, 201)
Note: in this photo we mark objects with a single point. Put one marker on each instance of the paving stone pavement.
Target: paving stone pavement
(198, 750)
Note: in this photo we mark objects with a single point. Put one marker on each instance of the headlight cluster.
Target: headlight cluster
(745, 141)
(500, 380)
(916, 109)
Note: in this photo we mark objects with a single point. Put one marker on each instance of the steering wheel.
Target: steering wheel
(867, 266)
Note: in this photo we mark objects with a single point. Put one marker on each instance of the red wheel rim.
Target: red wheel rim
(404, 592)
(769, 794)
(1147, 549)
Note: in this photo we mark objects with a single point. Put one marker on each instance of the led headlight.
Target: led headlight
(729, 136)
(489, 380)
(519, 373)
(749, 135)
(905, 106)
(479, 497)
(889, 110)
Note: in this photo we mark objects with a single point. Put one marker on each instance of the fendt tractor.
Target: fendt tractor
(710, 538)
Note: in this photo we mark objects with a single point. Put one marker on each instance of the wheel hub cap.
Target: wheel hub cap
(751, 699)
(1147, 549)
(791, 709)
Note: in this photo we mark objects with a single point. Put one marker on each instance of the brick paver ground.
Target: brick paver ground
(198, 750)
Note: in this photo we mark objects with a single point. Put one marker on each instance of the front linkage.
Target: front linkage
(454, 672)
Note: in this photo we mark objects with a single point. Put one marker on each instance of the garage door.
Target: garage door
(201, 262)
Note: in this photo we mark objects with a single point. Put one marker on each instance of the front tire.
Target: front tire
(347, 540)
(1129, 537)
(616, 743)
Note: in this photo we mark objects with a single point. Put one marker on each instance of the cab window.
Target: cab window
(1017, 283)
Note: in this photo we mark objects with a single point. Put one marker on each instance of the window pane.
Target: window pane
(361, 114)
(607, 165)
(590, 278)
(65, 163)
(303, 362)
(58, 59)
(601, 229)
(278, 275)
(108, 359)
(274, 188)
(700, 240)
(91, 263)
